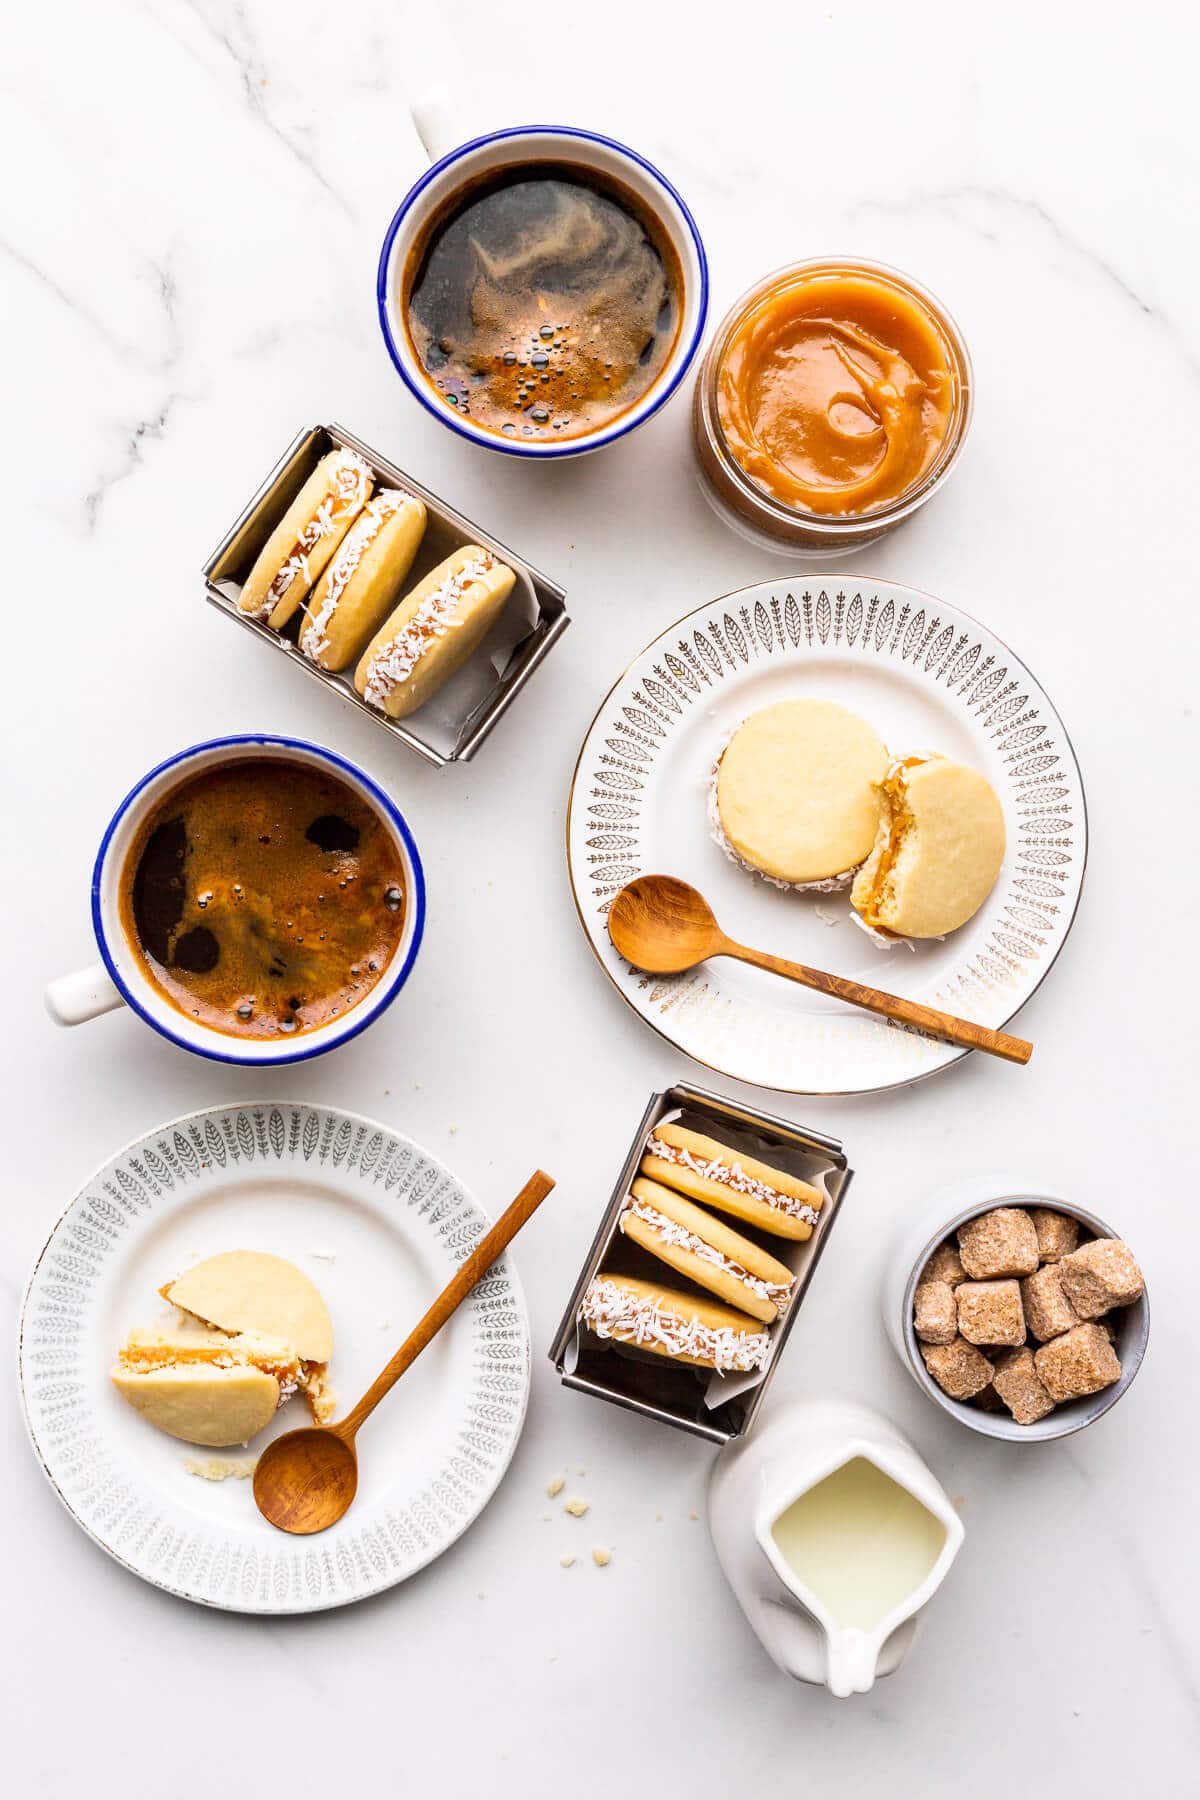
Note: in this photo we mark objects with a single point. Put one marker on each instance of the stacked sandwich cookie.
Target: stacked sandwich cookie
(252, 1331)
(662, 1215)
(341, 553)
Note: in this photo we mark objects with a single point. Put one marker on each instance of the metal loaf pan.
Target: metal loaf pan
(440, 740)
(675, 1393)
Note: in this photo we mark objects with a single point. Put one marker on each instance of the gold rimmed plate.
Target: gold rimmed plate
(928, 678)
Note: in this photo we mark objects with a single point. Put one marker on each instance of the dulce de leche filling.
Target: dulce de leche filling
(836, 391)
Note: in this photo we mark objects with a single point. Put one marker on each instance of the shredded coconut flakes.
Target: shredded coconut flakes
(671, 1232)
(733, 1175)
(394, 662)
(613, 1312)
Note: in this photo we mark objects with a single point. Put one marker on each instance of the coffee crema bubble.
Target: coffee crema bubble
(228, 880)
(543, 301)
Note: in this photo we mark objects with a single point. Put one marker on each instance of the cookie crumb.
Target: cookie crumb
(555, 1487)
(566, 1561)
(658, 1518)
(693, 1515)
(220, 1468)
(323, 1255)
(576, 1508)
(601, 1557)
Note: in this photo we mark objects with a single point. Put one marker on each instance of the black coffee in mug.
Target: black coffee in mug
(543, 300)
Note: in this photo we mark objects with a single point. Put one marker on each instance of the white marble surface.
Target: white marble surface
(193, 203)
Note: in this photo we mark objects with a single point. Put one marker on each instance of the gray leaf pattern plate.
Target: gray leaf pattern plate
(380, 1225)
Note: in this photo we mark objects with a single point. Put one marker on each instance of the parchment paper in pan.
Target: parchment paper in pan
(445, 714)
(810, 1166)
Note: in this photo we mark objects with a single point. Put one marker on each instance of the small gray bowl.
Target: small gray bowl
(1133, 1332)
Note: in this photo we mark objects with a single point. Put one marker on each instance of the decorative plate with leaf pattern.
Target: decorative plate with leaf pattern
(928, 678)
(380, 1226)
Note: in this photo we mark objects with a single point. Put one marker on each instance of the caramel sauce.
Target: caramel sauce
(836, 391)
(264, 898)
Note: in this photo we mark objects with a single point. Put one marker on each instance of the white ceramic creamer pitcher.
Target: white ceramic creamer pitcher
(833, 1535)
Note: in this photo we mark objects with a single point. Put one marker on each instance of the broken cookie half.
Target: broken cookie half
(254, 1332)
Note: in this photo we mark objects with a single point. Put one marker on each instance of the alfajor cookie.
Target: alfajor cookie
(249, 1293)
(249, 1290)
(360, 586)
(706, 1251)
(297, 551)
(685, 1327)
(796, 791)
(433, 631)
(205, 1387)
(705, 1170)
(938, 850)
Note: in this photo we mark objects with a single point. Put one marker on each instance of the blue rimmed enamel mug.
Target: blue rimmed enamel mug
(120, 976)
(541, 143)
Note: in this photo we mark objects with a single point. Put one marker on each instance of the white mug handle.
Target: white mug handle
(437, 116)
(73, 999)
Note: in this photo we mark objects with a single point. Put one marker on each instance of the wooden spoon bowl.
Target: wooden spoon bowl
(663, 925)
(306, 1479)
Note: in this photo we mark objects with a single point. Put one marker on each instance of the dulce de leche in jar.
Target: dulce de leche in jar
(832, 403)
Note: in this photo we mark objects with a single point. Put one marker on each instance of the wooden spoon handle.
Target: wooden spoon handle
(906, 1012)
(451, 1297)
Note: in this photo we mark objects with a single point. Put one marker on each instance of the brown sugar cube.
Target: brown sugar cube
(1018, 1385)
(1101, 1275)
(987, 1399)
(1001, 1242)
(1057, 1235)
(1080, 1362)
(935, 1317)
(944, 1265)
(959, 1369)
(990, 1312)
(1048, 1312)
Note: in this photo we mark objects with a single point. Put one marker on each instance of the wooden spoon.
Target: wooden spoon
(306, 1479)
(661, 924)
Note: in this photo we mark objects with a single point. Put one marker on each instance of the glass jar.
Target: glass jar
(778, 524)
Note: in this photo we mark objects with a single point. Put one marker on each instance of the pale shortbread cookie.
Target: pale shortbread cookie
(704, 1169)
(205, 1387)
(360, 586)
(251, 1291)
(201, 1404)
(248, 1290)
(433, 631)
(708, 1252)
(937, 852)
(685, 1327)
(309, 532)
(796, 790)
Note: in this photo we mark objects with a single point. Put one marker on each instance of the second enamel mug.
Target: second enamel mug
(123, 974)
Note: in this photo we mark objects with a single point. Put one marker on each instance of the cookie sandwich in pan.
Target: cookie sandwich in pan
(385, 595)
(696, 1275)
